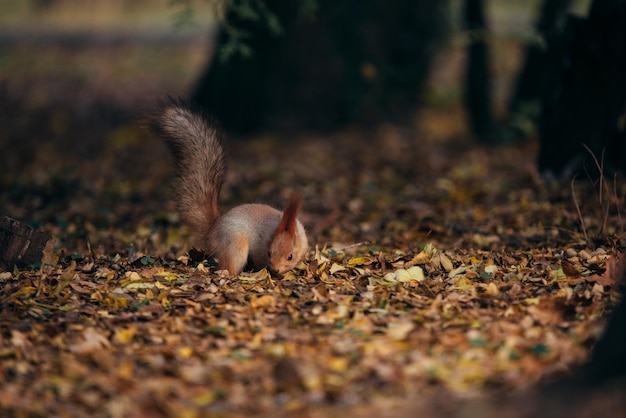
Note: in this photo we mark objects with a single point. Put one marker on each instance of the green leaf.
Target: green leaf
(146, 260)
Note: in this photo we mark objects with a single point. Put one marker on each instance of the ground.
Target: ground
(439, 270)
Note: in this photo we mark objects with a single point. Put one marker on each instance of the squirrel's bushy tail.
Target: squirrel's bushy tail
(195, 140)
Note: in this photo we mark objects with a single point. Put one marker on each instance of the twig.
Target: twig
(580, 215)
(600, 167)
(617, 205)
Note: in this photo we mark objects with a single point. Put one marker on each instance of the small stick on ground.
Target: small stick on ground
(580, 215)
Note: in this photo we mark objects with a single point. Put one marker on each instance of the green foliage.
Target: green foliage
(230, 14)
(184, 15)
(254, 11)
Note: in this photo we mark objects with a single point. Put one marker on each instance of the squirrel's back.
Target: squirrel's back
(195, 140)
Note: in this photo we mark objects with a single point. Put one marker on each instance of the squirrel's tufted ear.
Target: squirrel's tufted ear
(288, 221)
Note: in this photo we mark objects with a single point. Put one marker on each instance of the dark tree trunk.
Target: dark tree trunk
(356, 61)
(477, 90)
(542, 66)
(589, 108)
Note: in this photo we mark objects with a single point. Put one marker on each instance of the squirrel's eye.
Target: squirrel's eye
(269, 254)
(289, 257)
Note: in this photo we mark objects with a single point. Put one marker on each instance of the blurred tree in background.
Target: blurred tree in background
(572, 87)
(318, 64)
(335, 62)
(586, 101)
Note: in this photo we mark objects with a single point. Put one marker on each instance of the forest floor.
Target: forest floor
(440, 271)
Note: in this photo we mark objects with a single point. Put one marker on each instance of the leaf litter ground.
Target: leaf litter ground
(435, 266)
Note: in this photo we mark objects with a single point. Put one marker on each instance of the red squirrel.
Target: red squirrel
(251, 233)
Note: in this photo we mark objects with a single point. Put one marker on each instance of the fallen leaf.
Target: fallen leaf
(547, 312)
(400, 330)
(615, 273)
(263, 301)
(91, 340)
(124, 335)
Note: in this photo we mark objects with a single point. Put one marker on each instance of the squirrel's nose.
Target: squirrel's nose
(275, 272)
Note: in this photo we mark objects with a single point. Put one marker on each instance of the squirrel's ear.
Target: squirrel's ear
(288, 221)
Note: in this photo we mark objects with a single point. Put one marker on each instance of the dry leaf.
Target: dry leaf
(615, 272)
(547, 312)
(90, 341)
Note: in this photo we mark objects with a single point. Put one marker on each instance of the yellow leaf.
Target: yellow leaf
(105, 273)
(402, 276)
(121, 302)
(262, 274)
(204, 399)
(421, 258)
(557, 274)
(337, 364)
(358, 261)
(492, 289)
(335, 267)
(416, 273)
(463, 283)
(26, 290)
(531, 301)
(167, 275)
(126, 370)
(566, 292)
(458, 270)
(390, 277)
(185, 352)
(124, 336)
(139, 285)
(160, 286)
(263, 301)
(132, 276)
(388, 280)
(430, 249)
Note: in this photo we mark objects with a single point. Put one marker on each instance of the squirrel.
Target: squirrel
(249, 234)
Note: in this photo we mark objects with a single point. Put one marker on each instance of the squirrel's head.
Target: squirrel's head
(289, 244)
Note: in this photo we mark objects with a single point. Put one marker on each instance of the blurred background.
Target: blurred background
(412, 82)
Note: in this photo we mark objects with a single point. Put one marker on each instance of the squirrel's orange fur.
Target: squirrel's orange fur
(251, 233)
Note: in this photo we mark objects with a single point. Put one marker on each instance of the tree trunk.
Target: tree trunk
(589, 108)
(477, 90)
(539, 77)
(357, 61)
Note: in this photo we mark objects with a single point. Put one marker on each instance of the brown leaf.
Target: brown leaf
(547, 312)
(263, 301)
(286, 375)
(569, 269)
(615, 272)
(90, 341)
